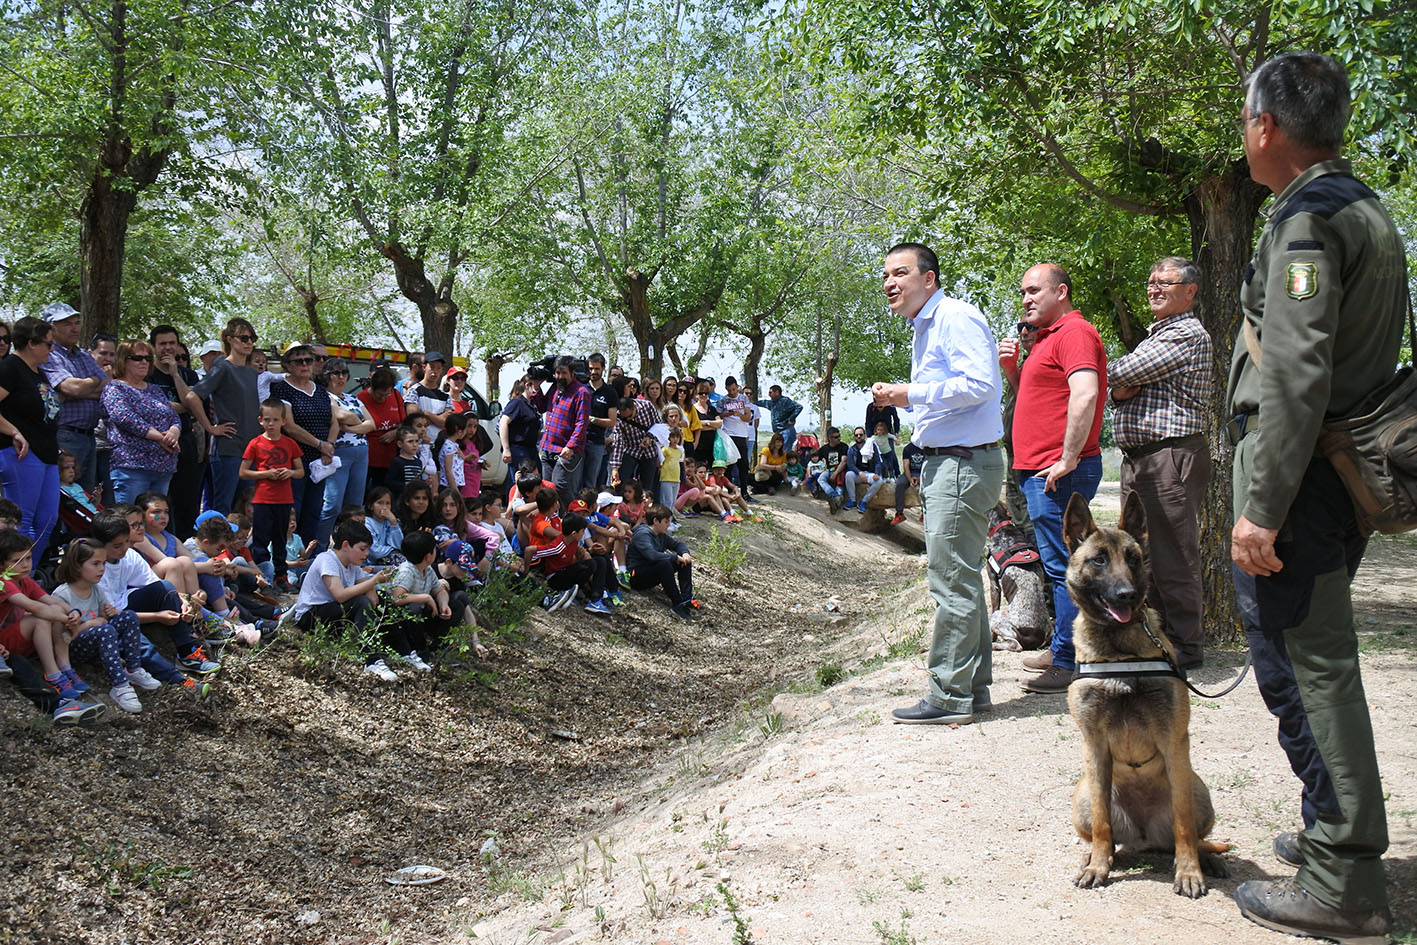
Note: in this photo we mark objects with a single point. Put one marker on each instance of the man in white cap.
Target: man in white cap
(78, 379)
(207, 354)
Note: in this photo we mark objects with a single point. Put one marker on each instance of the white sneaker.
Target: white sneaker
(417, 662)
(126, 699)
(143, 679)
(381, 669)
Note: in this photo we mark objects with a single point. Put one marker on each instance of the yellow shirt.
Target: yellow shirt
(779, 459)
(669, 470)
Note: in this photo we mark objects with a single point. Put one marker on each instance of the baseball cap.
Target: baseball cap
(579, 505)
(455, 369)
(607, 498)
(210, 514)
(434, 356)
(209, 347)
(57, 312)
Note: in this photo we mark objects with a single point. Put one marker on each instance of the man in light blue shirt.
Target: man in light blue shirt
(954, 397)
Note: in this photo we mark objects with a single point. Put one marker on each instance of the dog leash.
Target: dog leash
(1244, 670)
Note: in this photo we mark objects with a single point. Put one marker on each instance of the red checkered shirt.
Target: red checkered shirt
(1175, 370)
(566, 423)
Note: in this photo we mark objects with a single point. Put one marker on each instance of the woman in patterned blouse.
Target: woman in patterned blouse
(142, 425)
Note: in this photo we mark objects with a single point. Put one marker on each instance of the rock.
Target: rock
(308, 918)
(489, 847)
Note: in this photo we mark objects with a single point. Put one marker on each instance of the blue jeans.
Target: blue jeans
(1046, 509)
(597, 470)
(853, 479)
(33, 486)
(226, 479)
(344, 487)
(789, 438)
(309, 503)
(128, 484)
(824, 480)
(84, 448)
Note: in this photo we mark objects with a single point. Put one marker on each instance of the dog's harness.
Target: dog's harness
(1019, 554)
(1139, 669)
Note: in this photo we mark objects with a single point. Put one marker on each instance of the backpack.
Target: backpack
(1374, 448)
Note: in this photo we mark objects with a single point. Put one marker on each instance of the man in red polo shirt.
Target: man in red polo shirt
(1057, 420)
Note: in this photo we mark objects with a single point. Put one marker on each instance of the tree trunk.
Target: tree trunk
(436, 307)
(1222, 212)
(826, 372)
(757, 341)
(492, 365)
(310, 301)
(103, 234)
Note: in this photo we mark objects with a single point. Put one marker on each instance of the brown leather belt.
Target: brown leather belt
(1137, 452)
(963, 452)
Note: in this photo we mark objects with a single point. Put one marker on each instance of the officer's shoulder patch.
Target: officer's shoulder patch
(1301, 280)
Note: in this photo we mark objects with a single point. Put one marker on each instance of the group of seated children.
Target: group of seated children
(105, 592)
(689, 487)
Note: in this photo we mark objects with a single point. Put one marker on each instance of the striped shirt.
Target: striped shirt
(82, 413)
(628, 436)
(1175, 370)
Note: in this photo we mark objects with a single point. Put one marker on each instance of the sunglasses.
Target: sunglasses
(1025, 327)
(4, 339)
(244, 339)
(183, 359)
(301, 361)
(142, 357)
(337, 373)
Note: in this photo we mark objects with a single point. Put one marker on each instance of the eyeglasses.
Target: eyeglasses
(1161, 284)
(301, 361)
(134, 525)
(1024, 327)
(244, 339)
(337, 373)
(140, 357)
(1245, 120)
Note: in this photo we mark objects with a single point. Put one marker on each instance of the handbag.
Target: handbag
(1374, 448)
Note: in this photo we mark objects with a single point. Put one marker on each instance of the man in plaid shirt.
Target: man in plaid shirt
(1160, 393)
(78, 380)
(564, 431)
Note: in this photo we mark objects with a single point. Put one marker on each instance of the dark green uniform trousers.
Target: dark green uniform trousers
(1299, 623)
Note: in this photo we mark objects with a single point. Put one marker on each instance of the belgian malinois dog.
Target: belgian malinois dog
(1137, 787)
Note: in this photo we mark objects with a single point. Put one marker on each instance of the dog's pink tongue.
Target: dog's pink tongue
(1119, 613)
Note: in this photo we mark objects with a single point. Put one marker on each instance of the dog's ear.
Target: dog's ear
(1077, 522)
(1134, 517)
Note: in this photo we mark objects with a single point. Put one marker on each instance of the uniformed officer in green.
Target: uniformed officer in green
(1324, 302)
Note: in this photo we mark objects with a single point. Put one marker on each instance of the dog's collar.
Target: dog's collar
(1003, 523)
(1126, 668)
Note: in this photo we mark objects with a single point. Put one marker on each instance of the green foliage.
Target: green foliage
(122, 869)
(829, 674)
(742, 928)
(725, 552)
(334, 641)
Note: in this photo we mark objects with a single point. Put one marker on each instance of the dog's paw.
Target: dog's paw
(1092, 876)
(1189, 883)
(1213, 865)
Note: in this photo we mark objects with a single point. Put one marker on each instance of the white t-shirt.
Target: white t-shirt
(454, 449)
(733, 425)
(128, 573)
(314, 592)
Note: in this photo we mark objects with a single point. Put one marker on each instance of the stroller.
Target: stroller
(75, 521)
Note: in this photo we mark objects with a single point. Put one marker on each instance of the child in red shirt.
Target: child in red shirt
(272, 460)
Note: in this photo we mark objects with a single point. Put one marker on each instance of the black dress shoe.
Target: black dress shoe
(1287, 849)
(924, 713)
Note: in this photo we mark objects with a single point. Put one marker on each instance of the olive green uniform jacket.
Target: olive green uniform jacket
(1326, 292)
